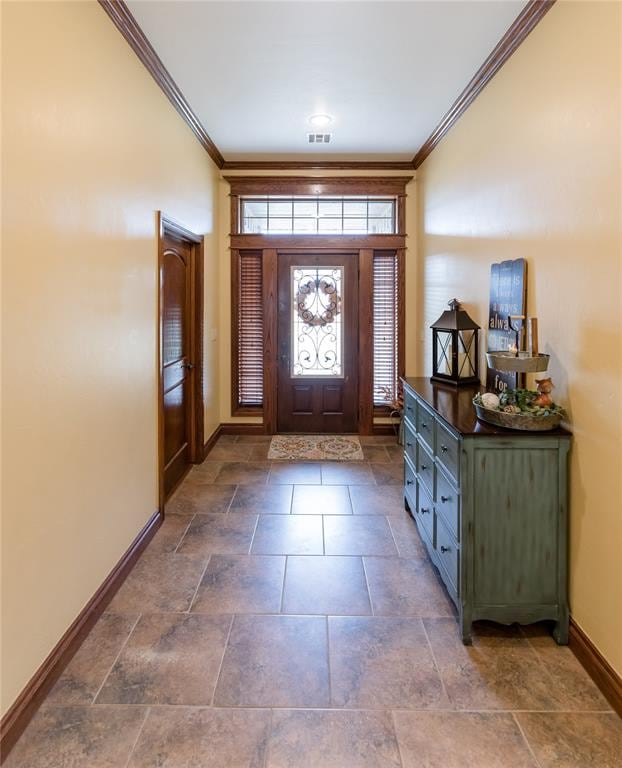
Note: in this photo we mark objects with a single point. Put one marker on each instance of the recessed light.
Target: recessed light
(320, 121)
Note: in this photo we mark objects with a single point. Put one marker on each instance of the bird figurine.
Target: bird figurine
(544, 399)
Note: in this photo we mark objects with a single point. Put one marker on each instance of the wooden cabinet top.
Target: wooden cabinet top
(454, 405)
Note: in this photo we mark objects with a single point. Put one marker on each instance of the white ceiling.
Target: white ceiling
(387, 72)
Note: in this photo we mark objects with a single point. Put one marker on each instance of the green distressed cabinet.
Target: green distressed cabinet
(491, 506)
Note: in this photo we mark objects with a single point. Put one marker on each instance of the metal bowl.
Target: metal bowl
(524, 363)
(520, 421)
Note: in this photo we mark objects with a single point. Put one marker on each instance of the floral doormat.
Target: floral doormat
(315, 447)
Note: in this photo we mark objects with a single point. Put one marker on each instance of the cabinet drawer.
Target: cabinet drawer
(425, 425)
(447, 554)
(410, 406)
(410, 485)
(425, 512)
(410, 443)
(425, 468)
(448, 503)
(448, 450)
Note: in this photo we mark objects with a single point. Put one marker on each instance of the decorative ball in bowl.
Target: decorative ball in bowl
(520, 408)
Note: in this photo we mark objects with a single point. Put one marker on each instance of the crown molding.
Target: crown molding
(128, 26)
(527, 19)
(317, 165)
(525, 22)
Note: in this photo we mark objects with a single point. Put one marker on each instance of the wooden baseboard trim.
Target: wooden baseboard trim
(235, 428)
(211, 441)
(384, 429)
(597, 666)
(30, 699)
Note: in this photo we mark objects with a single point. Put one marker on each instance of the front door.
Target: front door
(177, 368)
(318, 343)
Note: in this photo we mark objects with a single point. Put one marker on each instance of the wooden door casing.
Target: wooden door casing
(318, 404)
(180, 354)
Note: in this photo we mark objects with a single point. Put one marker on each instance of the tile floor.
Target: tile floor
(286, 616)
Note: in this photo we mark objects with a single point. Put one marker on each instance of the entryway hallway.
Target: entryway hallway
(286, 614)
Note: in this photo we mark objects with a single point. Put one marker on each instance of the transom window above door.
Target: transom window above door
(317, 215)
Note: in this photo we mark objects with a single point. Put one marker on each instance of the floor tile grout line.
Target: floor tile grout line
(138, 735)
(329, 668)
(252, 541)
(183, 536)
(525, 739)
(233, 495)
(397, 740)
(116, 658)
(222, 660)
(337, 708)
(371, 602)
(198, 586)
(434, 660)
(283, 584)
(266, 757)
(397, 546)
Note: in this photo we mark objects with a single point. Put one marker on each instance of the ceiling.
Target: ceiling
(387, 72)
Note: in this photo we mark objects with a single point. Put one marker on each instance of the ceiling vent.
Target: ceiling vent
(319, 138)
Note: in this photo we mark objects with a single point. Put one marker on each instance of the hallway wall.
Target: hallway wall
(533, 170)
(91, 148)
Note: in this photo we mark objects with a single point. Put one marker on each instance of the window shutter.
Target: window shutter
(250, 331)
(385, 326)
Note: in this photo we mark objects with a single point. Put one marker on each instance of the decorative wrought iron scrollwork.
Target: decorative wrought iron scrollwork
(317, 323)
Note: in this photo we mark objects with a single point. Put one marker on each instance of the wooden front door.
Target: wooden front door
(317, 343)
(178, 371)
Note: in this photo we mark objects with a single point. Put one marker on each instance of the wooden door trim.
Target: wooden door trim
(366, 356)
(270, 258)
(170, 227)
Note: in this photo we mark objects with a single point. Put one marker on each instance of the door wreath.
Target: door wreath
(331, 308)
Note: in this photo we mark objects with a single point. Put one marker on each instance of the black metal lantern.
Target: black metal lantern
(455, 346)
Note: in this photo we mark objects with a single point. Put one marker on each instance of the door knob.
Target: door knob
(189, 366)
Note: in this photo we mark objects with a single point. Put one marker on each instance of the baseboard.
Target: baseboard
(384, 429)
(240, 428)
(30, 699)
(211, 441)
(597, 666)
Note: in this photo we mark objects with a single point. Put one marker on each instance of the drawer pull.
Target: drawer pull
(409, 407)
(424, 467)
(445, 499)
(425, 510)
(409, 445)
(424, 425)
(445, 549)
(409, 482)
(444, 449)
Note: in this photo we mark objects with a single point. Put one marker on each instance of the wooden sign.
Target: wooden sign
(508, 296)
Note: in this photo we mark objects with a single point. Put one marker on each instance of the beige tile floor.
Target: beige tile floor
(286, 615)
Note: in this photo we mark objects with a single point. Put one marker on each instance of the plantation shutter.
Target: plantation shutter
(385, 326)
(250, 331)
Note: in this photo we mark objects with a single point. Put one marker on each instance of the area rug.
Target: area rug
(315, 448)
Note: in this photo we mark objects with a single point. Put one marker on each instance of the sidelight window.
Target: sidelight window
(248, 342)
(386, 326)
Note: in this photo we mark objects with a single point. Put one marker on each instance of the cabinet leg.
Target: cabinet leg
(466, 628)
(561, 628)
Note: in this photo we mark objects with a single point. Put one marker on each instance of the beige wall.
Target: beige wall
(91, 149)
(225, 277)
(533, 170)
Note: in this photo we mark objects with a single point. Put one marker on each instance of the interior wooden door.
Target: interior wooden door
(177, 367)
(317, 343)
